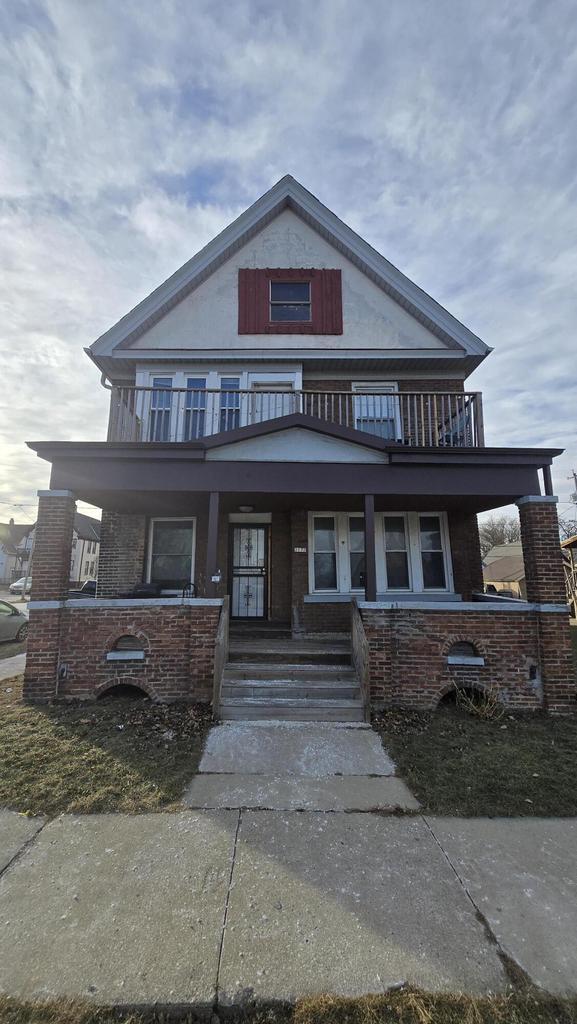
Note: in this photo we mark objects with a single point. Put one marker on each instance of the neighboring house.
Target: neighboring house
(85, 548)
(292, 443)
(15, 544)
(569, 550)
(504, 571)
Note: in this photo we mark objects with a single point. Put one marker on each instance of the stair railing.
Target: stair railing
(360, 656)
(220, 655)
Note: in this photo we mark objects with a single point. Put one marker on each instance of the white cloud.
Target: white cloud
(132, 133)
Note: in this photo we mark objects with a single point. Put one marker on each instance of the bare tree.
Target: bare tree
(498, 530)
(567, 527)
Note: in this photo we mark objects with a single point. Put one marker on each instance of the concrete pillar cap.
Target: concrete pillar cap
(55, 494)
(537, 499)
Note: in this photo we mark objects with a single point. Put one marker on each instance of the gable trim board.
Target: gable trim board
(288, 194)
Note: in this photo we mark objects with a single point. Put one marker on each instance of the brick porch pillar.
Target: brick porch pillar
(546, 588)
(50, 583)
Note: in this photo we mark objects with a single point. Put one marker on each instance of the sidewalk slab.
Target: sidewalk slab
(347, 904)
(522, 875)
(118, 909)
(15, 831)
(300, 793)
(279, 748)
(13, 666)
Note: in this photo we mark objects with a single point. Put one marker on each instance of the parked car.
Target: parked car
(13, 622)
(88, 589)
(18, 586)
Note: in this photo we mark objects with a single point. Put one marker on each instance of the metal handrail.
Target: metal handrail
(416, 418)
(220, 655)
(360, 657)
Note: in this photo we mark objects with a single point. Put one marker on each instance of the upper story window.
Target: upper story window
(290, 301)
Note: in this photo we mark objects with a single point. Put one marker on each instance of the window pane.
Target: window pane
(430, 533)
(324, 533)
(384, 429)
(357, 569)
(395, 539)
(171, 559)
(397, 570)
(433, 569)
(357, 533)
(290, 291)
(287, 312)
(325, 571)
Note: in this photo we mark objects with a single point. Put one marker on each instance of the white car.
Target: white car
(18, 586)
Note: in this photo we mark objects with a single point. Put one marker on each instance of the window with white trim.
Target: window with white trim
(171, 551)
(412, 552)
(432, 553)
(396, 548)
(194, 409)
(160, 409)
(377, 410)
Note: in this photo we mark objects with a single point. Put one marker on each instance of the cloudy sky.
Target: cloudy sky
(130, 133)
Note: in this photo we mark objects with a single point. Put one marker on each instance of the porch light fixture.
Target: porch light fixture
(246, 508)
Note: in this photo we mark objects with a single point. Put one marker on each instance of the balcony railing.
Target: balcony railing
(419, 418)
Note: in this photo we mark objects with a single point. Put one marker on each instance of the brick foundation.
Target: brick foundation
(68, 647)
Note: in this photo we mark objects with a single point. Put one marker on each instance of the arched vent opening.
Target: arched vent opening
(127, 648)
(464, 648)
(128, 642)
(124, 691)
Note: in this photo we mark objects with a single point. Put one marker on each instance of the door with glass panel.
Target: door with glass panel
(269, 401)
(249, 572)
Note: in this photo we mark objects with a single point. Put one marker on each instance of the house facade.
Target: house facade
(15, 544)
(294, 459)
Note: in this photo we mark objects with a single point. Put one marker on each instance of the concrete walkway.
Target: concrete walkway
(291, 766)
(276, 883)
(216, 908)
(14, 666)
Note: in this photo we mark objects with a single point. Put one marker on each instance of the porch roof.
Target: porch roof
(156, 478)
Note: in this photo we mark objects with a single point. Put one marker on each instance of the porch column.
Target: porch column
(542, 549)
(50, 570)
(212, 545)
(546, 588)
(370, 559)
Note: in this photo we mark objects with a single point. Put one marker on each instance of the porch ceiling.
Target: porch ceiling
(157, 479)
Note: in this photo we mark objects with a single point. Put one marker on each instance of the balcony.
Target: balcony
(436, 419)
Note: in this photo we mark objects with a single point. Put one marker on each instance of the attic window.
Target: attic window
(290, 301)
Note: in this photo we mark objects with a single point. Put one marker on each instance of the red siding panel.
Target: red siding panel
(253, 301)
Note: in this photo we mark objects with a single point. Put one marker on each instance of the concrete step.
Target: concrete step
(288, 671)
(289, 653)
(264, 689)
(291, 709)
(255, 633)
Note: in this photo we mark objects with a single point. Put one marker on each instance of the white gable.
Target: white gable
(294, 445)
(208, 317)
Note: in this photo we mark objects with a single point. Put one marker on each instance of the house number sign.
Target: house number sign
(300, 551)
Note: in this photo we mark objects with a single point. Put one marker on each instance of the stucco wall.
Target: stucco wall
(208, 318)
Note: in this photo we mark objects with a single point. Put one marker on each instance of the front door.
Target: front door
(249, 572)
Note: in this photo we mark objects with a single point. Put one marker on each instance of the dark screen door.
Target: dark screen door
(249, 572)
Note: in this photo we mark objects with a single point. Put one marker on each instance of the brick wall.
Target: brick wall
(122, 552)
(280, 568)
(456, 386)
(525, 658)
(408, 655)
(542, 552)
(179, 652)
(465, 554)
(52, 546)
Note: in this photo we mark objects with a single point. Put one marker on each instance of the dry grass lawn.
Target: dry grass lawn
(114, 755)
(404, 1007)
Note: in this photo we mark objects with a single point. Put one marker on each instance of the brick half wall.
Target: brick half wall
(68, 648)
(524, 656)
